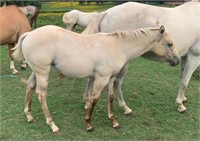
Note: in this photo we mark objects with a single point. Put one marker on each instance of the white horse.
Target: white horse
(32, 12)
(76, 17)
(182, 23)
(99, 57)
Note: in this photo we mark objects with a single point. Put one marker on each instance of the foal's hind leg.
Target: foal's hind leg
(31, 85)
(192, 62)
(41, 90)
(118, 91)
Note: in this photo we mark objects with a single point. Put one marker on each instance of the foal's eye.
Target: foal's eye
(170, 44)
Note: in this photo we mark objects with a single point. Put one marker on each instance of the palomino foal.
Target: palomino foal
(99, 57)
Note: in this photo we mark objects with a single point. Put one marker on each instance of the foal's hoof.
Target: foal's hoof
(90, 129)
(182, 109)
(31, 121)
(14, 71)
(57, 132)
(116, 126)
(133, 114)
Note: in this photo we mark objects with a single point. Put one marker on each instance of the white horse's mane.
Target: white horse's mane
(131, 33)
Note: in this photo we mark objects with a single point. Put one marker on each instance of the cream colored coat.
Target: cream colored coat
(99, 57)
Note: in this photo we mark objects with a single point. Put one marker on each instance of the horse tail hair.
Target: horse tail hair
(18, 54)
(94, 25)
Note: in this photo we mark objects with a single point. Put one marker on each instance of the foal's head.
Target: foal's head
(165, 48)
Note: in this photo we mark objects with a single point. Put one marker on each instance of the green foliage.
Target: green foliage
(149, 88)
(23, 3)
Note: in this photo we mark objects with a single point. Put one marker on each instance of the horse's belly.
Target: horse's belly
(75, 68)
(7, 37)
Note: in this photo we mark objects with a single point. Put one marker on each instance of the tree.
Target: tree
(21, 3)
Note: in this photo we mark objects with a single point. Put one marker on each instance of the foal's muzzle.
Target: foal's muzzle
(175, 61)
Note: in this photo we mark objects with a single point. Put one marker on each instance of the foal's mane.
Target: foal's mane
(130, 34)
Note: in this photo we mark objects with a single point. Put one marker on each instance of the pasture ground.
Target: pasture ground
(149, 88)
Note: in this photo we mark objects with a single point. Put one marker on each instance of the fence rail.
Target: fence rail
(97, 0)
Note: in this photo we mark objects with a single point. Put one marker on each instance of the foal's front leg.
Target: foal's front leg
(117, 86)
(99, 85)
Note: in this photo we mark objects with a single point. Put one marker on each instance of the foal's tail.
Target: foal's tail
(17, 54)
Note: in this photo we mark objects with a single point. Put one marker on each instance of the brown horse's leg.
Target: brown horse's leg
(41, 90)
(31, 85)
(110, 98)
(99, 85)
(12, 65)
(31, 22)
(35, 22)
(34, 18)
(36, 15)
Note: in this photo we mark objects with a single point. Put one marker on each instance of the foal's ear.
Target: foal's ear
(162, 29)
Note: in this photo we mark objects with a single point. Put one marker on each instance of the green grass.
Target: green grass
(67, 6)
(150, 89)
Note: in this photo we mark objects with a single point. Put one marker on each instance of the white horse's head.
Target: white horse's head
(166, 48)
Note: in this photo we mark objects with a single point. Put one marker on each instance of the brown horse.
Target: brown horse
(13, 23)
